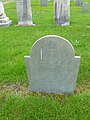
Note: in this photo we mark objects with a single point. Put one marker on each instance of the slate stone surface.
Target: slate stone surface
(52, 66)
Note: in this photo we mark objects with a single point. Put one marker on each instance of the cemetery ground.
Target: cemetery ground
(16, 102)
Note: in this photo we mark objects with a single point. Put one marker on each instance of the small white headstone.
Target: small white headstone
(4, 20)
(52, 66)
(24, 12)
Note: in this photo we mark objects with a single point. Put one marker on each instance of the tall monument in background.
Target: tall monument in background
(24, 12)
(62, 12)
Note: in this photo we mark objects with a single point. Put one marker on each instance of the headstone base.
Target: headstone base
(25, 23)
(57, 22)
(5, 22)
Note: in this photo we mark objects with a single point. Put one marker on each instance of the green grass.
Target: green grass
(15, 42)
(21, 108)
(18, 104)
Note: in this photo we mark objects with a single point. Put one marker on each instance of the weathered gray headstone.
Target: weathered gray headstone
(24, 12)
(4, 20)
(85, 7)
(79, 2)
(43, 2)
(52, 66)
(62, 12)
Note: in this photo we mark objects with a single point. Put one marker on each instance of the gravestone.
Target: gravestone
(24, 12)
(85, 7)
(61, 12)
(79, 2)
(4, 20)
(43, 2)
(52, 66)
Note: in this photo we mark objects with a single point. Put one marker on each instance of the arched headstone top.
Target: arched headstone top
(53, 48)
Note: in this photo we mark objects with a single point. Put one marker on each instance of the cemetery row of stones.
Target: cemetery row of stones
(24, 12)
(51, 66)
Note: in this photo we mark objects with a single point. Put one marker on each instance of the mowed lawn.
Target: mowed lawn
(16, 102)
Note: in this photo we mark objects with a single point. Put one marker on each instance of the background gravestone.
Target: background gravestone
(61, 12)
(79, 2)
(43, 2)
(85, 7)
(24, 12)
(52, 66)
(4, 20)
